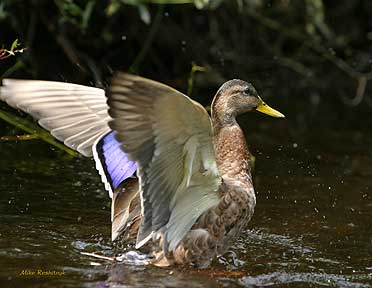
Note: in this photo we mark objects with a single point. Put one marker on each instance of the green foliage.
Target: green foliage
(194, 68)
(198, 3)
(143, 10)
(5, 53)
(264, 41)
(73, 13)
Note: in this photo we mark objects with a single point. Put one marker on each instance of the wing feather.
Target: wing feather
(74, 114)
(78, 116)
(170, 138)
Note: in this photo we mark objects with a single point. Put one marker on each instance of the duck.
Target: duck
(180, 180)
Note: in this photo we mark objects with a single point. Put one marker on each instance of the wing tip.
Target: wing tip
(142, 241)
(114, 235)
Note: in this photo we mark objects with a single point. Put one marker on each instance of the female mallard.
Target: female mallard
(194, 191)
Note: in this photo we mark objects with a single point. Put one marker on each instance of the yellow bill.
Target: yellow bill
(266, 109)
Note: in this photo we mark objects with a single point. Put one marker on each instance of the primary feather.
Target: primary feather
(74, 114)
(78, 116)
(170, 138)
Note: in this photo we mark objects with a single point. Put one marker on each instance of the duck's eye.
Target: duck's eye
(247, 92)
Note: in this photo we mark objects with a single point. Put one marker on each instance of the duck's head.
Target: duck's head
(237, 97)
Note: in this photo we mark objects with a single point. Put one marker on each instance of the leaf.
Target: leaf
(72, 9)
(112, 8)
(14, 46)
(200, 4)
(144, 14)
(86, 14)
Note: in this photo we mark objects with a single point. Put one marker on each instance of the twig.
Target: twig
(20, 137)
(316, 19)
(194, 68)
(360, 78)
(33, 129)
(77, 58)
(295, 66)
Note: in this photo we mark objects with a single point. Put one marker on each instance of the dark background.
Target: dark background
(310, 59)
(311, 52)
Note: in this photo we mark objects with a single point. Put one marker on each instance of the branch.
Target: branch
(31, 128)
(77, 58)
(19, 137)
(194, 68)
(359, 77)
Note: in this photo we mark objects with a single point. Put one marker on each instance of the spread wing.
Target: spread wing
(170, 138)
(77, 115)
(74, 114)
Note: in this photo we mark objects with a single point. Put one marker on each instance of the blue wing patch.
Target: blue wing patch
(111, 162)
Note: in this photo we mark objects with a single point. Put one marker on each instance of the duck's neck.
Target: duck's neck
(233, 158)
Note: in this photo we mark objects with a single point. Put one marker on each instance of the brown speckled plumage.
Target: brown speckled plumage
(217, 227)
(212, 234)
(194, 191)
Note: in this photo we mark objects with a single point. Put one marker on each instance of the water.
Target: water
(311, 227)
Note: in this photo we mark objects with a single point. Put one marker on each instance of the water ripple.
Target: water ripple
(328, 280)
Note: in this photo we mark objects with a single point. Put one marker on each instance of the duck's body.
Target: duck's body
(218, 227)
(194, 190)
